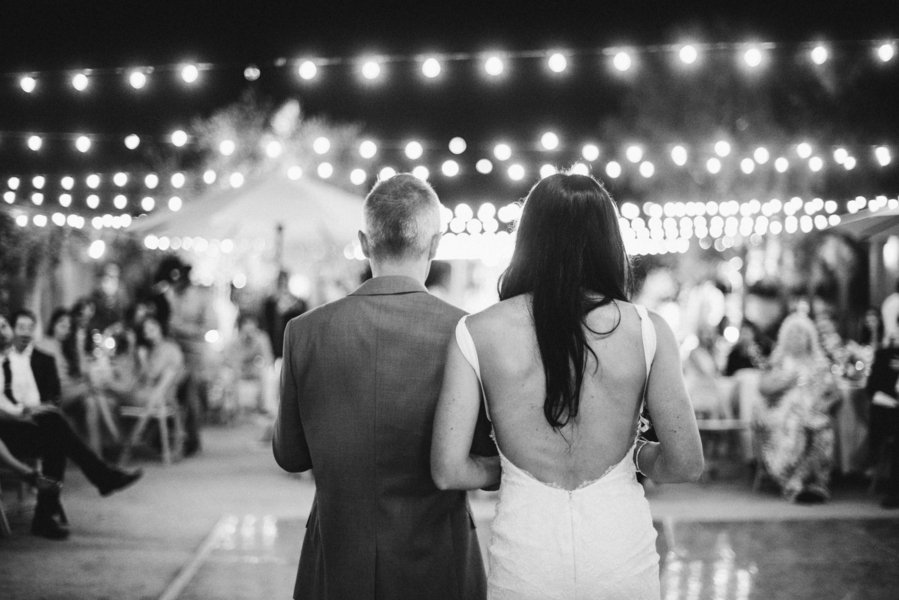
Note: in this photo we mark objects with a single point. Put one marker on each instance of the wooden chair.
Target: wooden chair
(22, 491)
(162, 410)
(4, 522)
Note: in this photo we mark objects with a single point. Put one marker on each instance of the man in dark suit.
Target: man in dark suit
(31, 426)
(359, 385)
(884, 419)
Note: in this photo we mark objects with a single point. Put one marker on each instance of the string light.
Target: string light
(93, 181)
(752, 57)
(688, 54)
(273, 149)
(178, 180)
(236, 180)
(371, 69)
(549, 140)
(516, 172)
(622, 61)
(295, 172)
(325, 170)
(761, 155)
(251, 73)
(502, 152)
(151, 181)
(132, 141)
(886, 51)
(882, 154)
(590, 152)
(722, 148)
(137, 79)
(190, 73)
(82, 143)
(175, 203)
(358, 176)
(819, 54)
(679, 155)
(209, 176)
(494, 66)
(421, 172)
(28, 84)
(450, 168)
(804, 150)
(307, 70)
(80, 81)
(557, 62)
(713, 165)
(227, 147)
(634, 153)
(414, 150)
(781, 164)
(484, 166)
(457, 145)
(386, 173)
(547, 170)
(367, 149)
(35, 142)
(179, 138)
(613, 169)
(147, 203)
(430, 67)
(65, 200)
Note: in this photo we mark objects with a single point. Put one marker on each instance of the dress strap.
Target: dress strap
(470, 352)
(648, 333)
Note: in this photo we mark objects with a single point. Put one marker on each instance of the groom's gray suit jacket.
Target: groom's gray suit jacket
(359, 385)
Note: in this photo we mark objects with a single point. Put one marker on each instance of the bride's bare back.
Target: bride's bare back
(513, 377)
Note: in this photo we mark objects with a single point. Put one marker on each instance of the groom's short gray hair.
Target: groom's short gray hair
(402, 216)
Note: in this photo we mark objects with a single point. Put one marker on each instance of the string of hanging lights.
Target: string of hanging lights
(621, 60)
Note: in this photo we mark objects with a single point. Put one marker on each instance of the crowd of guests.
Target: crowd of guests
(797, 376)
(65, 383)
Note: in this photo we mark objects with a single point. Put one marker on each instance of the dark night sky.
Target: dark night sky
(42, 35)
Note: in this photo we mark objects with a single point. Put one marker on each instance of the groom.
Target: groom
(359, 384)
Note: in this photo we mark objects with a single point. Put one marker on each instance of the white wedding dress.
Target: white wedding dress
(596, 541)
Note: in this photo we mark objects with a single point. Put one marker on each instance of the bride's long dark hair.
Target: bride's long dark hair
(570, 257)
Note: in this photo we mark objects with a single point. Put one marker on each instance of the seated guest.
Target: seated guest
(748, 352)
(75, 398)
(882, 388)
(796, 426)
(872, 329)
(160, 364)
(251, 358)
(36, 377)
(30, 426)
(708, 392)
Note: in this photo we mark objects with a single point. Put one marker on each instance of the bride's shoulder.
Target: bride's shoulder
(501, 316)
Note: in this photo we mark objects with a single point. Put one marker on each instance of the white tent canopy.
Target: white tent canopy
(310, 218)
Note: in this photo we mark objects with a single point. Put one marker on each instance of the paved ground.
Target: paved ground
(228, 524)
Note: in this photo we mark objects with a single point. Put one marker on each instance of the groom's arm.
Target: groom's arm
(289, 440)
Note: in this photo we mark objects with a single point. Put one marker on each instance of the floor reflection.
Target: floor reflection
(255, 556)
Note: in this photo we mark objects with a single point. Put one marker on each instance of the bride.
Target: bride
(564, 364)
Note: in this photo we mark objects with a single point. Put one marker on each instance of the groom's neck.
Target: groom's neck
(417, 269)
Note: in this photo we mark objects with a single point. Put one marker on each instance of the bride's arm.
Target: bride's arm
(453, 467)
(677, 456)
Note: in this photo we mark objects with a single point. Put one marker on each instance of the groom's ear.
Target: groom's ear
(435, 242)
(363, 241)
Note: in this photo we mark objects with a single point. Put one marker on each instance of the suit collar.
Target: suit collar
(389, 284)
